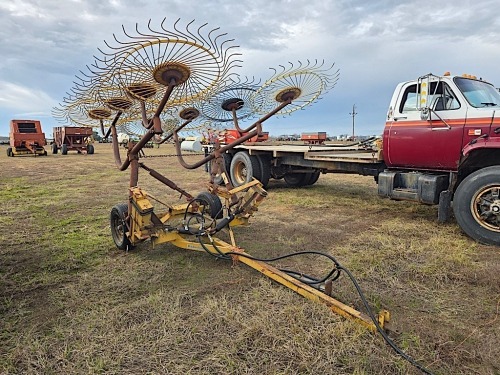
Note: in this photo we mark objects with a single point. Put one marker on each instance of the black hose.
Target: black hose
(379, 329)
(337, 269)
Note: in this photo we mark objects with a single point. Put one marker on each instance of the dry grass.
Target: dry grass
(71, 303)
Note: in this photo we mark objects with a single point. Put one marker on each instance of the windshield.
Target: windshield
(478, 93)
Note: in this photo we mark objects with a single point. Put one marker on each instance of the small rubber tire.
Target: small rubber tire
(54, 148)
(212, 203)
(118, 225)
(244, 168)
(90, 149)
(64, 149)
(9, 152)
(477, 195)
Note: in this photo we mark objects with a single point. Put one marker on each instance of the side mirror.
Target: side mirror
(424, 113)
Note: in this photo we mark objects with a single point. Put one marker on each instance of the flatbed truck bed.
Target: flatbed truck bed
(326, 158)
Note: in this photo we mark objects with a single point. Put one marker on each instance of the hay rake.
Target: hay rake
(162, 81)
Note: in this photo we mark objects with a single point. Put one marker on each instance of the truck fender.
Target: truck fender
(481, 143)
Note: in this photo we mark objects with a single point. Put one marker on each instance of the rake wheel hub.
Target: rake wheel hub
(171, 73)
(189, 114)
(233, 103)
(118, 103)
(288, 94)
(99, 113)
(141, 91)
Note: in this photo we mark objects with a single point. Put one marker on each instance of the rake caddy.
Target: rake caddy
(171, 81)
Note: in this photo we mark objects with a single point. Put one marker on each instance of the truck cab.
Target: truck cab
(431, 120)
(442, 143)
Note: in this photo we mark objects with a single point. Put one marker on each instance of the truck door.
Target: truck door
(483, 115)
(425, 139)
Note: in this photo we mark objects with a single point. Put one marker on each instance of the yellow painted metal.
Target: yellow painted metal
(282, 278)
(142, 228)
(20, 151)
(140, 218)
(314, 294)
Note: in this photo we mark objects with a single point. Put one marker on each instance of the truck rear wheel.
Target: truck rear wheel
(312, 179)
(476, 205)
(244, 168)
(118, 224)
(64, 149)
(9, 151)
(265, 170)
(296, 179)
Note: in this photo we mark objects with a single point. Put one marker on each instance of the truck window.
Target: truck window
(478, 93)
(440, 96)
(443, 98)
(409, 100)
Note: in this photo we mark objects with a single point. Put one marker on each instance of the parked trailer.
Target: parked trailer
(316, 138)
(72, 138)
(26, 138)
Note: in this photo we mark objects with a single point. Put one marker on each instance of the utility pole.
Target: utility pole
(353, 113)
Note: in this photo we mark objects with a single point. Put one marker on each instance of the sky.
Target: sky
(44, 44)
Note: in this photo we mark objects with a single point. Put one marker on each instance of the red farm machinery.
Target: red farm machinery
(72, 138)
(26, 138)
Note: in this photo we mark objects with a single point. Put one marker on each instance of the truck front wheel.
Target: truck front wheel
(476, 205)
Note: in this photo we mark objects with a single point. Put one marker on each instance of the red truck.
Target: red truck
(440, 146)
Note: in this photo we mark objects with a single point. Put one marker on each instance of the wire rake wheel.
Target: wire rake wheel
(302, 85)
(194, 61)
(138, 66)
(80, 111)
(239, 96)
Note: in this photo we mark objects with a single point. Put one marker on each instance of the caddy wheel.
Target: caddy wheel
(211, 204)
(119, 226)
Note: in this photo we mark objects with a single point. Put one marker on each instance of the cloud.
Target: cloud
(376, 44)
(24, 99)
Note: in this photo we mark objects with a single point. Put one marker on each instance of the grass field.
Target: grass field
(71, 303)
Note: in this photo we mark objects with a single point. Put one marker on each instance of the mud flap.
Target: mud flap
(444, 208)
